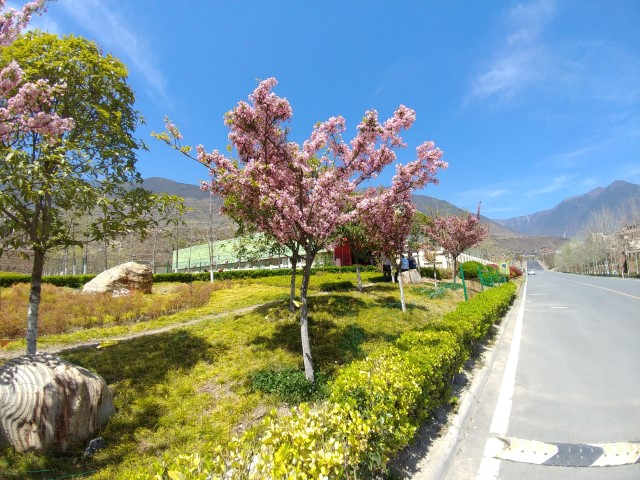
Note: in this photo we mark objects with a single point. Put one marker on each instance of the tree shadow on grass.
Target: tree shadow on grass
(337, 305)
(146, 360)
(133, 368)
(392, 302)
(331, 344)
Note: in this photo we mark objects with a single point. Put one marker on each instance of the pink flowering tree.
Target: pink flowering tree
(455, 234)
(25, 107)
(301, 194)
(387, 215)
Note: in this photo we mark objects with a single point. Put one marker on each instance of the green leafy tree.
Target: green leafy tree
(86, 173)
(360, 243)
(416, 238)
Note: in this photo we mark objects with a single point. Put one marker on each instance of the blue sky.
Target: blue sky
(531, 102)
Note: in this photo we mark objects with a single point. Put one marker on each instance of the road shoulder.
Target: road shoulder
(436, 444)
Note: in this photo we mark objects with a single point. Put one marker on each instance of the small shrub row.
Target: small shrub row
(471, 268)
(290, 385)
(258, 273)
(441, 273)
(374, 407)
(72, 281)
(489, 272)
(515, 272)
(77, 281)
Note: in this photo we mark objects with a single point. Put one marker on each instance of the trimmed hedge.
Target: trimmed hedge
(471, 267)
(441, 274)
(73, 281)
(258, 273)
(374, 409)
(77, 281)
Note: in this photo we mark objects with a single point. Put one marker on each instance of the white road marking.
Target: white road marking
(490, 466)
(618, 454)
(538, 453)
(604, 288)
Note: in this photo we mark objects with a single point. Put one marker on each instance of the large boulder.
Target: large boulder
(49, 405)
(411, 276)
(126, 277)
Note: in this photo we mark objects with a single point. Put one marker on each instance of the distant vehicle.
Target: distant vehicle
(531, 272)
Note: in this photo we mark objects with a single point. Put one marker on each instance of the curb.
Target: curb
(437, 461)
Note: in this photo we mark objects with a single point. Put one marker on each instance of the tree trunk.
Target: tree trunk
(106, 262)
(292, 294)
(455, 268)
(359, 277)
(304, 320)
(153, 250)
(177, 248)
(34, 301)
(402, 302)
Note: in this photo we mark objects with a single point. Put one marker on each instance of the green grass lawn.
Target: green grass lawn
(189, 389)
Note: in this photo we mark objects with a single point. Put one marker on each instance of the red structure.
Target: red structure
(342, 255)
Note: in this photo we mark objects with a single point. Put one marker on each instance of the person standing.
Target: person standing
(404, 263)
(386, 269)
(404, 266)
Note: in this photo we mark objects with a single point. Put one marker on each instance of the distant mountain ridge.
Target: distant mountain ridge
(571, 216)
(184, 190)
(429, 205)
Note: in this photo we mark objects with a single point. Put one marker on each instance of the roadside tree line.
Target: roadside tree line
(609, 245)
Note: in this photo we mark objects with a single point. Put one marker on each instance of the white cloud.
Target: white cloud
(483, 194)
(573, 68)
(521, 60)
(498, 210)
(528, 20)
(555, 184)
(569, 159)
(113, 34)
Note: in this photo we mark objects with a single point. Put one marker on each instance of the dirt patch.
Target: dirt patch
(256, 416)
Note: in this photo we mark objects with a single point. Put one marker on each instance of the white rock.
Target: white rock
(128, 276)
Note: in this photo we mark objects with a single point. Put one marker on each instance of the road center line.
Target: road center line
(605, 288)
(490, 466)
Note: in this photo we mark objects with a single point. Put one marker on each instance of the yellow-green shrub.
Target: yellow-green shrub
(385, 389)
(373, 410)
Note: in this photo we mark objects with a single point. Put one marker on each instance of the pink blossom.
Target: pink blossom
(456, 233)
(25, 107)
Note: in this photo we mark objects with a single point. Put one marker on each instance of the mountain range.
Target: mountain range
(548, 228)
(572, 215)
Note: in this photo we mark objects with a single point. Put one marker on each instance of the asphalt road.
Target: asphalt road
(564, 387)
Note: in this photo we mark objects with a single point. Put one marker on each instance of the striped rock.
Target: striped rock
(49, 405)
